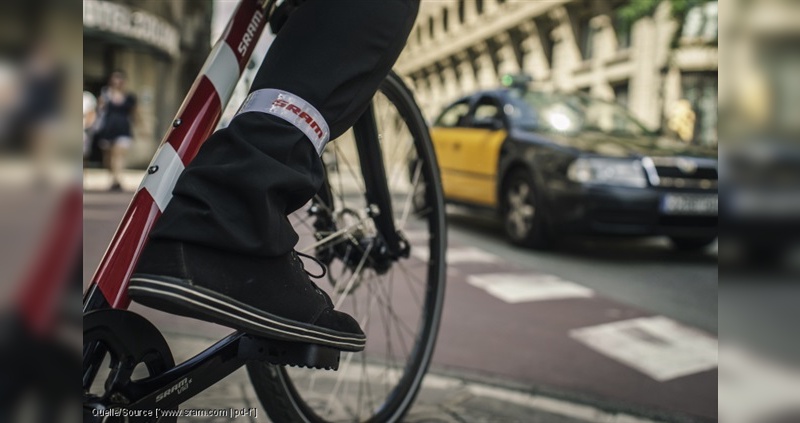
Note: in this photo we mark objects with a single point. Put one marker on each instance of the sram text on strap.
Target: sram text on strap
(292, 109)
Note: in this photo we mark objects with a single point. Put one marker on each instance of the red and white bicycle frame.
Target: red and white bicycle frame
(195, 121)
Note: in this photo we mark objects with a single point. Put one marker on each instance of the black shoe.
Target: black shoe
(267, 297)
(115, 187)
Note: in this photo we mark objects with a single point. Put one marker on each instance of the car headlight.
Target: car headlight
(608, 171)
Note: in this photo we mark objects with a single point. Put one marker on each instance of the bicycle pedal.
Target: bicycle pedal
(295, 354)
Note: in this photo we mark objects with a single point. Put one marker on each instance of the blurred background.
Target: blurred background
(604, 280)
(40, 210)
(616, 307)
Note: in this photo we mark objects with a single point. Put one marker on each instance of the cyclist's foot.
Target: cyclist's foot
(268, 297)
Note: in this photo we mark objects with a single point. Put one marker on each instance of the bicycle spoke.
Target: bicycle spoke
(410, 197)
(396, 315)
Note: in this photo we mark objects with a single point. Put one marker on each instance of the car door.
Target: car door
(475, 153)
(447, 130)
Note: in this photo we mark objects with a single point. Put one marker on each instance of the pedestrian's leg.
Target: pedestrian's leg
(117, 161)
(225, 228)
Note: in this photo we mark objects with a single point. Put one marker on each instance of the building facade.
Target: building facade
(663, 78)
(160, 45)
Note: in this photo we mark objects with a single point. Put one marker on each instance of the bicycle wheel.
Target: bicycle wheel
(399, 303)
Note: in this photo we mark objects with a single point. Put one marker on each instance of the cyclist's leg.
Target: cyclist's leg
(226, 224)
(248, 177)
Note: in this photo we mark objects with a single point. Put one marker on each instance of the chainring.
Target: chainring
(129, 340)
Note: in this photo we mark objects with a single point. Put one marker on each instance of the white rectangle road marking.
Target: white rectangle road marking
(656, 346)
(754, 388)
(516, 288)
(458, 255)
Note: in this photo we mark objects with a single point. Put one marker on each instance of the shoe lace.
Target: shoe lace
(315, 260)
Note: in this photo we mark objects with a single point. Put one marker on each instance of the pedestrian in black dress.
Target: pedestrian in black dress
(116, 108)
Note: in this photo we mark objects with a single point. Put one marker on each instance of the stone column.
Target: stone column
(422, 90)
(566, 54)
(466, 74)
(534, 62)
(470, 11)
(644, 85)
(450, 88)
(487, 78)
(435, 99)
(490, 6)
(507, 59)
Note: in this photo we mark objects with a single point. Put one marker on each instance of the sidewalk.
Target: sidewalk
(100, 179)
(443, 399)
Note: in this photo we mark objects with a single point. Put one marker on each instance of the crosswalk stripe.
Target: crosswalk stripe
(656, 346)
(458, 255)
(517, 288)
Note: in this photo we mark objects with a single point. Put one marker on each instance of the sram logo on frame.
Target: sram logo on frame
(179, 387)
(250, 33)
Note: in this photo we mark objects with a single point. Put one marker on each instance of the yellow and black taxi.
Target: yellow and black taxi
(557, 164)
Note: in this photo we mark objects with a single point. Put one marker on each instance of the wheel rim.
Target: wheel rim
(520, 210)
(399, 311)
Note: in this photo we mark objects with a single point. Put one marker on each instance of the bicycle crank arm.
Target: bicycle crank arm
(177, 385)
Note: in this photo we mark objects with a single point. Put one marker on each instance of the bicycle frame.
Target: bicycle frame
(194, 122)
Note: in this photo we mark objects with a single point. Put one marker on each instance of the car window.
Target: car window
(486, 109)
(454, 115)
(570, 113)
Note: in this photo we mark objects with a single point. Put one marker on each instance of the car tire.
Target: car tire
(691, 244)
(760, 254)
(523, 224)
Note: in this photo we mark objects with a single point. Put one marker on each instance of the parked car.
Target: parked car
(554, 164)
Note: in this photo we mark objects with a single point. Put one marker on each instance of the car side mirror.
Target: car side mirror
(492, 124)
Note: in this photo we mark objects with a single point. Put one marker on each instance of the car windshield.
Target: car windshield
(562, 113)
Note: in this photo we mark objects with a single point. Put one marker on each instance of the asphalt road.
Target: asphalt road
(617, 323)
(645, 272)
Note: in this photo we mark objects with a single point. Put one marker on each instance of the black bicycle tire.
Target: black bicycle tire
(272, 385)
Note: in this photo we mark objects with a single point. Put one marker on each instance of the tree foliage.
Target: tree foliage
(637, 9)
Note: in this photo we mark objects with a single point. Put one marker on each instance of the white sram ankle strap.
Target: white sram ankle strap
(292, 109)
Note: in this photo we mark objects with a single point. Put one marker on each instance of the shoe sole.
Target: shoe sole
(176, 296)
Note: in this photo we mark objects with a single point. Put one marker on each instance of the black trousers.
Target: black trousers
(236, 193)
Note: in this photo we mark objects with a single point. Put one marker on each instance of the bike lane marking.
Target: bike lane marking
(656, 346)
(516, 288)
(458, 255)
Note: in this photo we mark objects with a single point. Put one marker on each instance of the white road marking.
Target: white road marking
(656, 346)
(458, 255)
(414, 235)
(517, 288)
(753, 388)
(550, 405)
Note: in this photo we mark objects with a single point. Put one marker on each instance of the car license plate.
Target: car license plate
(689, 204)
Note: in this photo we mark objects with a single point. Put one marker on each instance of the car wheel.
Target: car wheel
(691, 244)
(761, 254)
(524, 224)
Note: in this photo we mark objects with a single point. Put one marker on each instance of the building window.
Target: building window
(461, 11)
(700, 90)
(479, 6)
(624, 30)
(545, 28)
(621, 93)
(454, 115)
(586, 37)
(445, 18)
(701, 23)
(431, 27)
